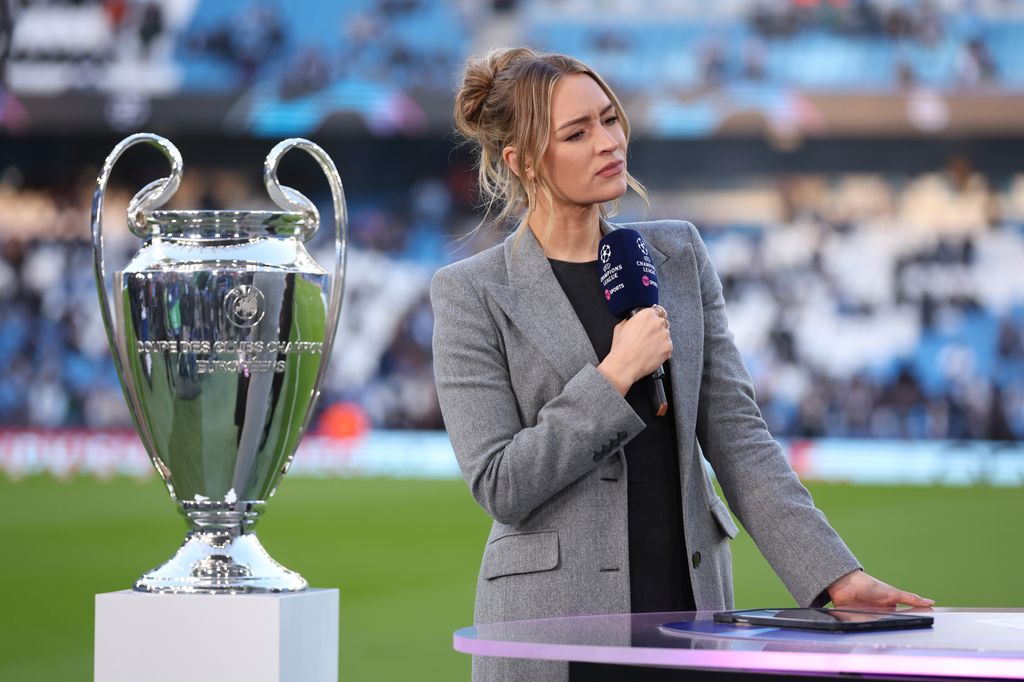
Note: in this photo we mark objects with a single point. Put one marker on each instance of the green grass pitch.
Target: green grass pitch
(404, 554)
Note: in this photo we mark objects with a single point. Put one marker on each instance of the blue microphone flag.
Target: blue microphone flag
(627, 274)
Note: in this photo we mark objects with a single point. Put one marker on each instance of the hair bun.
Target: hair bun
(478, 83)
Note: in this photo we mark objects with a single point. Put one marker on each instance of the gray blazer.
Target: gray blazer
(538, 433)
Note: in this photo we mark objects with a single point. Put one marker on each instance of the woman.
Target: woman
(598, 505)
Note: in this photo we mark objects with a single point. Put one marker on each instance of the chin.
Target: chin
(611, 194)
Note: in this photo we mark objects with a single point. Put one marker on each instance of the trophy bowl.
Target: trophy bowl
(220, 327)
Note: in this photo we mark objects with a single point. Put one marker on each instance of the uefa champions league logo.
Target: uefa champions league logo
(244, 305)
(606, 253)
(640, 245)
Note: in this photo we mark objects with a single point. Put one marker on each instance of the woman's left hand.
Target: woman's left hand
(860, 589)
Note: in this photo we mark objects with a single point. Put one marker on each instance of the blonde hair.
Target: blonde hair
(505, 100)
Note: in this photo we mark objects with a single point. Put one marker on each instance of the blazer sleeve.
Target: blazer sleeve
(760, 486)
(512, 468)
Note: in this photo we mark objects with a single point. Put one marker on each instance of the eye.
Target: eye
(575, 136)
(611, 120)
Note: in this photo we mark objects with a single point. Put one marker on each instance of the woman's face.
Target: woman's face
(585, 162)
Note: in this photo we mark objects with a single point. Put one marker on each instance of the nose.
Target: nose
(606, 140)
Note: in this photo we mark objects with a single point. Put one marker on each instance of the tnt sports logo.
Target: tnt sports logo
(606, 253)
(645, 280)
(607, 295)
(640, 245)
(245, 305)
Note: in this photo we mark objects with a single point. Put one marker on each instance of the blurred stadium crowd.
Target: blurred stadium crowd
(361, 48)
(808, 43)
(864, 305)
(826, 43)
(885, 304)
(867, 307)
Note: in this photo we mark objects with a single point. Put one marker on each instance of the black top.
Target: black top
(658, 575)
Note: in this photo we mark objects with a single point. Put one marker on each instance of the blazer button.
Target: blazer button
(696, 559)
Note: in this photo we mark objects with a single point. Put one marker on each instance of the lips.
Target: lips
(611, 169)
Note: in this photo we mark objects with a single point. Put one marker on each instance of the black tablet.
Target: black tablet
(842, 620)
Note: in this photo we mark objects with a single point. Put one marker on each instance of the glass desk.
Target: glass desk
(965, 643)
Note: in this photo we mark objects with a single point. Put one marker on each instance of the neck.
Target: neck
(569, 234)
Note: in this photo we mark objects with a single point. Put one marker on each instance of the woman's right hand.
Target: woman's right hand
(640, 345)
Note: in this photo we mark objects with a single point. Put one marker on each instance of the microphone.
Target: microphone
(630, 284)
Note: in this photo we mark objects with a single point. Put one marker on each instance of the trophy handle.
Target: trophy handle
(152, 196)
(293, 200)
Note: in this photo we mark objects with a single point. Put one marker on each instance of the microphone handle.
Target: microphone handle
(659, 402)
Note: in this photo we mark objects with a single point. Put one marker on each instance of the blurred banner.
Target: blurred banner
(428, 454)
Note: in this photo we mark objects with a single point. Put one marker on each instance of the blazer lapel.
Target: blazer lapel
(535, 303)
(676, 274)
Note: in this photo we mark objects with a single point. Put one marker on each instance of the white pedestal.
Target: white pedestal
(257, 638)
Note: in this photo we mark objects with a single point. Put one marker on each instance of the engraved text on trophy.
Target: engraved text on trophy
(257, 356)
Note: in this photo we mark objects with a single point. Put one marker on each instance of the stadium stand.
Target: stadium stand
(862, 45)
(865, 306)
(883, 303)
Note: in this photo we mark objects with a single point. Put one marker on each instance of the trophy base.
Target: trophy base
(211, 562)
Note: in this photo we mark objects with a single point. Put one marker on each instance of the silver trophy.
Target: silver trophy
(221, 328)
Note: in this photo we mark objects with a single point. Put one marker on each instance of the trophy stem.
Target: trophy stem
(221, 555)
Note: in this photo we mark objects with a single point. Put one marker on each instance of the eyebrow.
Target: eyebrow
(581, 119)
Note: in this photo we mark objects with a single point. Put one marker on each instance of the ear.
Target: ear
(511, 159)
